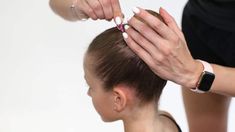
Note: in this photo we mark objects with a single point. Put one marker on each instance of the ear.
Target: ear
(120, 98)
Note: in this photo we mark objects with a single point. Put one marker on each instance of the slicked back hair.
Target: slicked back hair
(115, 63)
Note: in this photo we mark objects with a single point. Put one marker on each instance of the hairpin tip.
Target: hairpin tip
(121, 27)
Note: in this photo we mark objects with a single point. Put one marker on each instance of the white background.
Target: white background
(41, 77)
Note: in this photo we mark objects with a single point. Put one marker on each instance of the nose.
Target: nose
(88, 92)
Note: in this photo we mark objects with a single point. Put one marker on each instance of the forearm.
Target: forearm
(62, 8)
(224, 82)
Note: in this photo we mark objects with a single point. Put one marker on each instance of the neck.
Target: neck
(143, 119)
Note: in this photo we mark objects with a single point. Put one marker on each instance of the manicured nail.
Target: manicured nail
(84, 19)
(136, 10)
(118, 20)
(126, 27)
(125, 35)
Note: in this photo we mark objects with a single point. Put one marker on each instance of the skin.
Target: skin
(165, 52)
(94, 9)
(202, 108)
(120, 103)
(163, 48)
(158, 44)
(167, 55)
(103, 101)
(163, 45)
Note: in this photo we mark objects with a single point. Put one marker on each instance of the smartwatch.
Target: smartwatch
(206, 78)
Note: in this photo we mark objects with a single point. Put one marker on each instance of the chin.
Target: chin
(108, 119)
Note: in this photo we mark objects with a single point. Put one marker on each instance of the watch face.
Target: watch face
(206, 81)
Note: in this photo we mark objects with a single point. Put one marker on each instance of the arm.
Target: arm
(224, 82)
(163, 48)
(94, 9)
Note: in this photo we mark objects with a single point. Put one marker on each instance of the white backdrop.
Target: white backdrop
(41, 77)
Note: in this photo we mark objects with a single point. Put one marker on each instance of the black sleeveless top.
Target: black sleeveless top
(218, 13)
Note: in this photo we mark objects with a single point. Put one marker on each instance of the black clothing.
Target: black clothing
(209, 39)
(218, 13)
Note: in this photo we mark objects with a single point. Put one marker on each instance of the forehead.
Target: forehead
(87, 63)
(89, 66)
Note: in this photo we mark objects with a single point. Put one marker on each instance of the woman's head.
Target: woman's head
(110, 64)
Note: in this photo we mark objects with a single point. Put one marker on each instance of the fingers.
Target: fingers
(84, 6)
(143, 42)
(107, 9)
(118, 17)
(146, 31)
(97, 8)
(102, 9)
(145, 56)
(160, 45)
(170, 21)
(154, 23)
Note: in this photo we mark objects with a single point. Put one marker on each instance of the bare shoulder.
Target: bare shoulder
(169, 122)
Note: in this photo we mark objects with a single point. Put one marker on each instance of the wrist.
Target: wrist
(206, 78)
(193, 75)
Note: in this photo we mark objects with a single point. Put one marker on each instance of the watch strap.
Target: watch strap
(206, 68)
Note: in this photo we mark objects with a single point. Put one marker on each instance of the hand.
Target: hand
(162, 47)
(101, 9)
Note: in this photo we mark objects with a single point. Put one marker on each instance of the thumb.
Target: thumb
(117, 12)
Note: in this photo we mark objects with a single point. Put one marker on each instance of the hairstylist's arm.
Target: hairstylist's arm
(163, 47)
(94, 9)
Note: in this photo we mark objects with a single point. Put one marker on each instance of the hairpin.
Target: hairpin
(121, 27)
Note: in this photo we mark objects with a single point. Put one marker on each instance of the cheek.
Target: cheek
(96, 104)
(105, 109)
(100, 104)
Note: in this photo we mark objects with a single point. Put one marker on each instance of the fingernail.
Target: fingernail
(125, 35)
(136, 10)
(118, 20)
(126, 27)
(84, 19)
